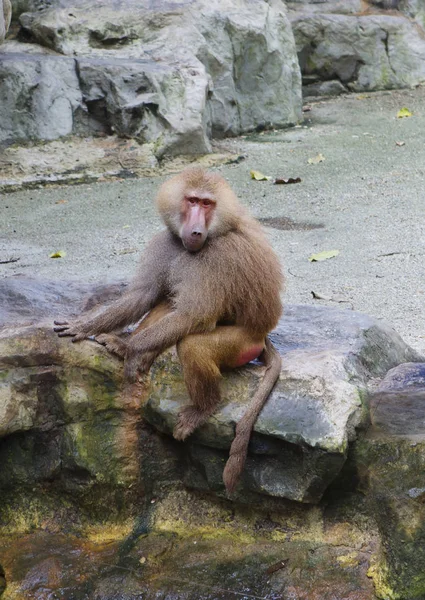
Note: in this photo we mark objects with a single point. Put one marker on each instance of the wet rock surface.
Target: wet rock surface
(199, 564)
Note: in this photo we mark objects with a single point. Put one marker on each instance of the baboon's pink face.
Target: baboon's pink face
(196, 215)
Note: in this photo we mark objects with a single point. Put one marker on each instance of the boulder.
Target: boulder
(171, 76)
(390, 462)
(351, 50)
(398, 405)
(70, 396)
(5, 18)
(301, 437)
(39, 96)
(390, 467)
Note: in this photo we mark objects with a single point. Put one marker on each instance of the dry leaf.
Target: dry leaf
(277, 566)
(316, 159)
(404, 112)
(61, 201)
(323, 255)
(259, 176)
(289, 180)
(59, 254)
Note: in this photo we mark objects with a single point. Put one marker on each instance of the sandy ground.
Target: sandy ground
(367, 196)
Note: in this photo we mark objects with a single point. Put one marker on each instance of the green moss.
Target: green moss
(392, 468)
(85, 392)
(25, 511)
(158, 145)
(389, 587)
(93, 446)
(378, 572)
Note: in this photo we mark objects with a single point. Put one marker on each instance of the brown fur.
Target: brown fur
(215, 304)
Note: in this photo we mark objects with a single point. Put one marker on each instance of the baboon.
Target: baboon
(210, 283)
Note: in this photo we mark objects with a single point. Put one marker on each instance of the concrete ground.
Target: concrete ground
(367, 195)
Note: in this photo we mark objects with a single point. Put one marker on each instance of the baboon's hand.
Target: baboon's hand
(113, 344)
(75, 329)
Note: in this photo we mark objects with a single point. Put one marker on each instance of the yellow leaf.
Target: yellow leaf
(59, 254)
(323, 255)
(404, 112)
(316, 159)
(259, 176)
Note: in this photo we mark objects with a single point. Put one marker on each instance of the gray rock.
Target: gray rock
(21, 6)
(324, 88)
(25, 301)
(47, 96)
(341, 7)
(284, 471)
(5, 18)
(172, 75)
(66, 399)
(146, 100)
(301, 436)
(39, 96)
(367, 52)
(390, 468)
(398, 405)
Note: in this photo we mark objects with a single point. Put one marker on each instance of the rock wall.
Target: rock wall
(354, 46)
(5, 17)
(171, 76)
(179, 76)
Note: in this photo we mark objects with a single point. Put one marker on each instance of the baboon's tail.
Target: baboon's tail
(239, 447)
